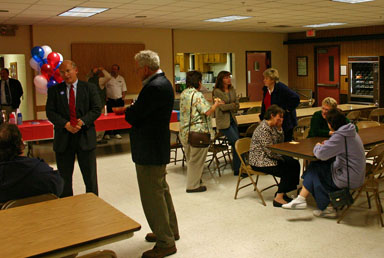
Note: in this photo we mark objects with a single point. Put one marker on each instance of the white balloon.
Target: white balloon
(35, 65)
(61, 57)
(40, 84)
(47, 50)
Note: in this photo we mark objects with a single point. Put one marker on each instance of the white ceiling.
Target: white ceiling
(189, 14)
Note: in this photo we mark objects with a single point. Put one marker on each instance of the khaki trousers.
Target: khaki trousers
(195, 164)
(157, 203)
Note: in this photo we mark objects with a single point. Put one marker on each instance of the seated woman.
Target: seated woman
(330, 173)
(195, 119)
(319, 126)
(262, 159)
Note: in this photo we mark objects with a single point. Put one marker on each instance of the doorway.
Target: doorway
(327, 73)
(257, 63)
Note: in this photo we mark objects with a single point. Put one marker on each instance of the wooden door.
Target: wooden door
(328, 73)
(257, 63)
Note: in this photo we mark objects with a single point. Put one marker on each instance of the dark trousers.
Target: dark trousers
(87, 163)
(157, 203)
(288, 135)
(111, 103)
(318, 181)
(232, 134)
(288, 171)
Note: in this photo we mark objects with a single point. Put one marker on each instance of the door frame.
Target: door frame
(315, 79)
(269, 57)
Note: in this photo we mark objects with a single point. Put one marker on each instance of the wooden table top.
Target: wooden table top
(304, 148)
(61, 225)
(251, 104)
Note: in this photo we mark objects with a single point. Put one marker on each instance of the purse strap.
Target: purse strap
(346, 153)
(190, 116)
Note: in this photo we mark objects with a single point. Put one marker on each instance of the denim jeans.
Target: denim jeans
(232, 134)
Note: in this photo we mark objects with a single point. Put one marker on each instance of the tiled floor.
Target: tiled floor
(213, 224)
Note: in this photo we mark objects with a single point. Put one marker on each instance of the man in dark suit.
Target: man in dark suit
(73, 106)
(10, 92)
(150, 146)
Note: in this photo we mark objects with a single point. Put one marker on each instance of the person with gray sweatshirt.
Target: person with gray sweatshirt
(329, 174)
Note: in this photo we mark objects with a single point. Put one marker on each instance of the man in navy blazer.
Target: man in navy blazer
(150, 146)
(80, 139)
(15, 91)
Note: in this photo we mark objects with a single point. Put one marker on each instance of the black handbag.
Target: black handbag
(343, 196)
(197, 139)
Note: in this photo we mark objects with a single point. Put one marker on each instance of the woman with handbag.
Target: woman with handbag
(341, 165)
(261, 158)
(195, 129)
(225, 114)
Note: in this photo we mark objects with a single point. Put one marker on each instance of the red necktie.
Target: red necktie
(72, 107)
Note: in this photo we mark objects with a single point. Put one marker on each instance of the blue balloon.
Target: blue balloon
(51, 82)
(37, 51)
(37, 59)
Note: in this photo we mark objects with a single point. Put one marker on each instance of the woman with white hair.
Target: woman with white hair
(276, 92)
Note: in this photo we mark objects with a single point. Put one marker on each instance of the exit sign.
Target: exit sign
(310, 33)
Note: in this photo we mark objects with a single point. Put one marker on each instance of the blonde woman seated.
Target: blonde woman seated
(319, 126)
(261, 159)
(198, 120)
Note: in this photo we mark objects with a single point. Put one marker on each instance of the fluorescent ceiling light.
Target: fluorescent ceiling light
(324, 25)
(83, 11)
(352, 1)
(228, 18)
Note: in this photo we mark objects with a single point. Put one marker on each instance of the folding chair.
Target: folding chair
(354, 116)
(249, 131)
(367, 124)
(217, 146)
(28, 200)
(371, 183)
(377, 115)
(242, 148)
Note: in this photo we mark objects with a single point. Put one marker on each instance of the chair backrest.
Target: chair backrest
(28, 200)
(100, 254)
(376, 114)
(376, 154)
(254, 110)
(250, 129)
(367, 124)
(302, 129)
(354, 115)
(242, 146)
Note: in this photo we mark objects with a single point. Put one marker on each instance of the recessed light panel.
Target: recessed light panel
(83, 11)
(228, 18)
(352, 1)
(324, 25)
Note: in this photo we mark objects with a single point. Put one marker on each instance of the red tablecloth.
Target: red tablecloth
(34, 130)
(111, 122)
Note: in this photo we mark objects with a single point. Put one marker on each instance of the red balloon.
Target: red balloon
(53, 59)
(57, 76)
(46, 70)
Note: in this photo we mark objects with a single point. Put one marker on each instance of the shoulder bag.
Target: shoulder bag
(343, 196)
(197, 139)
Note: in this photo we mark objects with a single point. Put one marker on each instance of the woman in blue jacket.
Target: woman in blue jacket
(276, 92)
(330, 173)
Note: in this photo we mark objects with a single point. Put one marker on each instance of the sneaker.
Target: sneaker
(118, 136)
(329, 213)
(296, 204)
(107, 137)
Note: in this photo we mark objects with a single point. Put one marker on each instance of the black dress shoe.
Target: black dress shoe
(277, 204)
(197, 190)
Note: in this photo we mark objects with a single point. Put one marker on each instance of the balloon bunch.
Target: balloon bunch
(47, 63)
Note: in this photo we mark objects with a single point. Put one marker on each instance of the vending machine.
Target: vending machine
(365, 80)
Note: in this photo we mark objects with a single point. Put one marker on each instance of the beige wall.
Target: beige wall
(59, 38)
(20, 45)
(188, 41)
